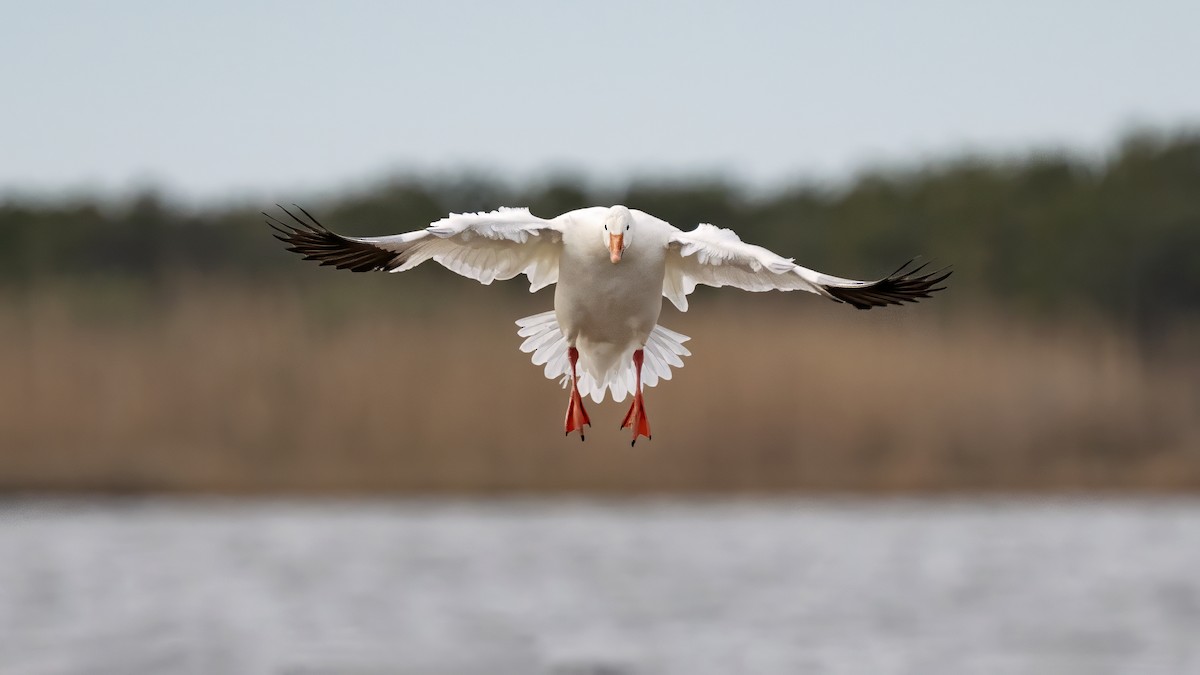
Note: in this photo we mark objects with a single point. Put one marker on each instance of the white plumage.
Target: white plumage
(612, 267)
(546, 342)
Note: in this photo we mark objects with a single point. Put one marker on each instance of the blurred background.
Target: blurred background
(216, 457)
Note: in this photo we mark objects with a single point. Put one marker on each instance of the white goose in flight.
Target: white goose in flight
(613, 266)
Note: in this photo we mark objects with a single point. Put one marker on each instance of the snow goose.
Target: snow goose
(612, 267)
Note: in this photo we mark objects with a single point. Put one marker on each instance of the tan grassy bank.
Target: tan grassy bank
(233, 391)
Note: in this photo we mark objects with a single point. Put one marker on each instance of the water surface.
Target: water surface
(693, 588)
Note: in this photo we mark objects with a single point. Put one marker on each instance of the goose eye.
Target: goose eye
(606, 227)
(626, 228)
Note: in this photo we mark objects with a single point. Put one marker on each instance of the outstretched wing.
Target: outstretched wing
(482, 246)
(714, 256)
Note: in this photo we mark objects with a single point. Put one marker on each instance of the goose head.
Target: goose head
(618, 232)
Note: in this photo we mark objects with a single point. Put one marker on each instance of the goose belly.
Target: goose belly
(606, 304)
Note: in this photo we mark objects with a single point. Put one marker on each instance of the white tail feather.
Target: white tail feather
(545, 341)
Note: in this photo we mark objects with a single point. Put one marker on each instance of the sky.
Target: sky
(224, 99)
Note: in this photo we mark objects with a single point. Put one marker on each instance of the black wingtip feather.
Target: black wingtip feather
(903, 285)
(313, 241)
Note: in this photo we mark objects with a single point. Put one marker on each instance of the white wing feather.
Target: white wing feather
(487, 246)
(717, 257)
(482, 246)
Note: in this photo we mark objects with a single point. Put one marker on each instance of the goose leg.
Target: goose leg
(636, 417)
(577, 417)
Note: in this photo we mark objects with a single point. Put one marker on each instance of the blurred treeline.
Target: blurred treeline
(150, 345)
(1044, 234)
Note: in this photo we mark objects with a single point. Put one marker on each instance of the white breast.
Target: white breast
(605, 309)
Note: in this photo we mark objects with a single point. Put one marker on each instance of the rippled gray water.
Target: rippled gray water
(693, 588)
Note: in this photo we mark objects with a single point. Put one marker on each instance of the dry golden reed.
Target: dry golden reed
(228, 390)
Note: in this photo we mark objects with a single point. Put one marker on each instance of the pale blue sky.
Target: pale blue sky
(253, 98)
